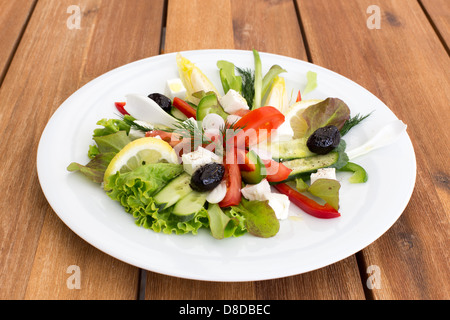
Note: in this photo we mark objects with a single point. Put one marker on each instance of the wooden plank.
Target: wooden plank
(439, 13)
(197, 24)
(13, 18)
(51, 63)
(404, 63)
(256, 24)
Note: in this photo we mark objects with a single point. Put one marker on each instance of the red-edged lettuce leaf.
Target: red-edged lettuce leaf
(331, 111)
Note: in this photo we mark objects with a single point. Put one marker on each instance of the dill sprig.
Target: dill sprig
(129, 120)
(353, 121)
(248, 84)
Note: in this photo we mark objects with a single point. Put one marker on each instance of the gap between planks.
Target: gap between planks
(16, 44)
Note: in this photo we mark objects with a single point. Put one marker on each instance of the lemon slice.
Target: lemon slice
(139, 152)
(293, 116)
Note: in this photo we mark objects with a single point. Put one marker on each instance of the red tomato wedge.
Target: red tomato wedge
(256, 126)
(276, 171)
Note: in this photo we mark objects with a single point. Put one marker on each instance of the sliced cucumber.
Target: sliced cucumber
(186, 208)
(176, 113)
(210, 104)
(291, 149)
(173, 191)
(310, 164)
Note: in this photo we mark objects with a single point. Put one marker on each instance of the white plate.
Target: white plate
(302, 245)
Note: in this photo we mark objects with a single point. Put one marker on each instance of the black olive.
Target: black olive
(164, 102)
(324, 140)
(207, 177)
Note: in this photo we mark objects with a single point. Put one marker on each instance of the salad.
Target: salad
(231, 160)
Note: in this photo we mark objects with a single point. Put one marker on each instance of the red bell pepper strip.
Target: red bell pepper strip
(120, 107)
(184, 107)
(299, 96)
(306, 204)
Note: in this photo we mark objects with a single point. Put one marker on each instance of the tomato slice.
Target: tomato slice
(257, 126)
(169, 137)
(233, 179)
(276, 171)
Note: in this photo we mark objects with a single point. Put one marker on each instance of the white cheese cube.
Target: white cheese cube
(325, 173)
(175, 88)
(233, 102)
(257, 191)
(194, 160)
(280, 204)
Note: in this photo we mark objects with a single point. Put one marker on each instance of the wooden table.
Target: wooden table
(403, 58)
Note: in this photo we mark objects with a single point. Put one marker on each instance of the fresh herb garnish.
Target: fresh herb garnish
(353, 121)
(129, 120)
(248, 84)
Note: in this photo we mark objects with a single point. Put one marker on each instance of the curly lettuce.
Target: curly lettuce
(134, 190)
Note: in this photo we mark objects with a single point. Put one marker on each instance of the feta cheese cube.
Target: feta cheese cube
(175, 88)
(262, 192)
(194, 160)
(257, 191)
(280, 204)
(324, 173)
(233, 102)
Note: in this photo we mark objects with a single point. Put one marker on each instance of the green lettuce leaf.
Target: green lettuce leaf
(101, 155)
(225, 224)
(311, 77)
(228, 77)
(327, 190)
(134, 190)
(111, 126)
(113, 142)
(95, 169)
(260, 219)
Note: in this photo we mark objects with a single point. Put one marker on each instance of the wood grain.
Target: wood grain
(256, 24)
(405, 64)
(51, 63)
(439, 13)
(198, 25)
(13, 18)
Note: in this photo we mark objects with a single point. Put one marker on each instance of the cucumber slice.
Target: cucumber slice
(186, 208)
(310, 164)
(173, 191)
(177, 114)
(291, 149)
(209, 104)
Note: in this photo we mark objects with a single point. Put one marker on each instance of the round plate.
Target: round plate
(304, 243)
